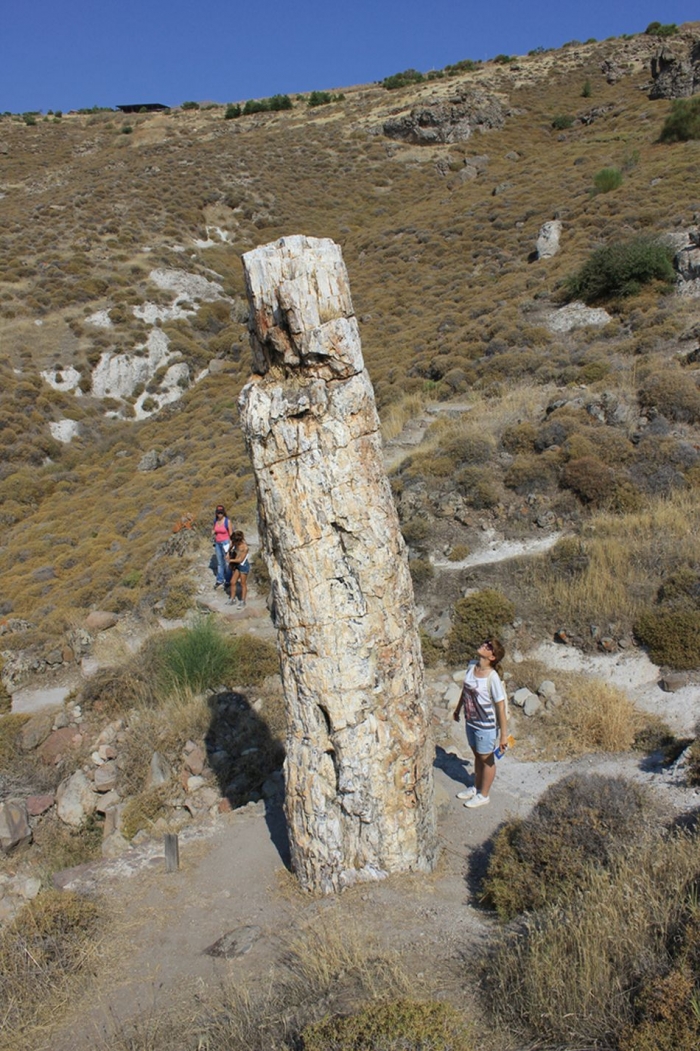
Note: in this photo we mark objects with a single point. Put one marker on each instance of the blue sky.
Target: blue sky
(67, 54)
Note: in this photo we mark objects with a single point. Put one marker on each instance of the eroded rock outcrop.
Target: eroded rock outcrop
(359, 788)
(676, 70)
(447, 120)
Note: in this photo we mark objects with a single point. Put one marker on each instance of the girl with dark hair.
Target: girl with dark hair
(484, 702)
(240, 568)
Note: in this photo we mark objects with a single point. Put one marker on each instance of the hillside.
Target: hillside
(123, 334)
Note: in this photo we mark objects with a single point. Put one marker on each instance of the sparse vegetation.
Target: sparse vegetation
(579, 972)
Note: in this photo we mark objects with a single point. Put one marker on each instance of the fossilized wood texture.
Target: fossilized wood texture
(359, 788)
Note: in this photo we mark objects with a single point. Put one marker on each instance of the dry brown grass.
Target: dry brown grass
(627, 558)
(50, 947)
(570, 974)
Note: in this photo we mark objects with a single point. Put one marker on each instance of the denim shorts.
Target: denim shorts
(483, 742)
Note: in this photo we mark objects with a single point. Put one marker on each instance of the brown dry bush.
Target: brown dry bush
(581, 972)
(580, 821)
(44, 952)
(673, 394)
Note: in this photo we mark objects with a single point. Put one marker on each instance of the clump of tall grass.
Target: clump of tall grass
(593, 716)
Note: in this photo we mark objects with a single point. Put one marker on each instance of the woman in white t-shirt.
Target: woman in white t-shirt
(484, 702)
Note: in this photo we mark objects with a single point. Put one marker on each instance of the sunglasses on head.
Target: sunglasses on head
(488, 645)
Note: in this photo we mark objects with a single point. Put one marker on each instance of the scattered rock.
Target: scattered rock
(101, 620)
(546, 690)
(548, 239)
(14, 824)
(452, 120)
(532, 705)
(235, 943)
(58, 743)
(114, 845)
(106, 777)
(160, 771)
(671, 681)
(38, 805)
(36, 730)
(675, 71)
(75, 800)
(520, 696)
(576, 315)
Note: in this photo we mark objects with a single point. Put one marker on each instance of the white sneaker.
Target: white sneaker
(477, 800)
(468, 793)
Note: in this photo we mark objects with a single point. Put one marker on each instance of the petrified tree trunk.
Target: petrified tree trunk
(359, 788)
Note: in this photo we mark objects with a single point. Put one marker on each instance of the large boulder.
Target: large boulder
(101, 620)
(548, 239)
(75, 800)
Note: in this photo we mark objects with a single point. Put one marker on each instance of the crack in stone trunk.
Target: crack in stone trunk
(359, 784)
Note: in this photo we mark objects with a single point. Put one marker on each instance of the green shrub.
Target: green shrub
(190, 105)
(465, 65)
(671, 639)
(607, 179)
(661, 29)
(683, 122)
(474, 618)
(268, 105)
(398, 1025)
(562, 121)
(416, 531)
(432, 650)
(580, 821)
(402, 80)
(126, 129)
(621, 269)
(232, 111)
(195, 659)
(320, 98)
(586, 90)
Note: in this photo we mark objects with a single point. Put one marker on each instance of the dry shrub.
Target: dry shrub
(50, 944)
(590, 479)
(401, 1025)
(674, 394)
(671, 638)
(577, 822)
(578, 973)
(594, 716)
